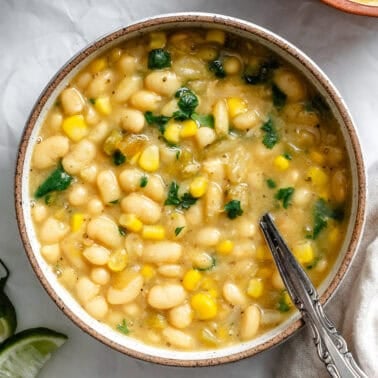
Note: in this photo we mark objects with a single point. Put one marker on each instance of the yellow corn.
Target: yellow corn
(157, 40)
(172, 133)
(198, 186)
(304, 252)
(135, 158)
(77, 221)
(98, 65)
(225, 247)
(286, 299)
(209, 285)
(131, 222)
(75, 127)
(191, 279)
(236, 106)
(118, 261)
(189, 129)
(154, 232)
(205, 307)
(147, 271)
(334, 235)
(317, 157)
(218, 36)
(157, 321)
(149, 159)
(102, 105)
(255, 288)
(317, 175)
(281, 163)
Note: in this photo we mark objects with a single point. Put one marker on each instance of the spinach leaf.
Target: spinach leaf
(143, 181)
(205, 120)
(321, 213)
(187, 200)
(178, 230)
(58, 180)
(283, 306)
(156, 120)
(187, 102)
(216, 66)
(118, 157)
(159, 58)
(271, 136)
(284, 195)
(279, 97)
(271, 183)
(233, 209)
(123, 327)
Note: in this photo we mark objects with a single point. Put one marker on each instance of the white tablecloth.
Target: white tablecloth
(38, 36)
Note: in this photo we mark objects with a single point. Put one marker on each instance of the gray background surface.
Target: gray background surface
(37, 37)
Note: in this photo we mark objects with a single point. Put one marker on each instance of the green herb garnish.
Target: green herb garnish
(205, 120)
(122, 231)
(114, 202)
(287, 156)
(187, 102)
(261, 74)
(123, 327)
(279, 97)
(233, 209)
(156, 120)
(143, 181)
(283, 306)
(211, 266)
(58, 180)
(321, 213)
(158, 58)
(178, 230)
(271, 183)
(271, 136)
(118, 157)
(92, 101)
(216, 67)
(284, 195)
(173, 198)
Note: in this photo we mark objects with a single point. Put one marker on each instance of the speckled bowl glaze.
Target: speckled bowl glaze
(352, 7)
(65, 301)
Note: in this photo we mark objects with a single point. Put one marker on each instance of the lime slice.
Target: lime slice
(25, 353)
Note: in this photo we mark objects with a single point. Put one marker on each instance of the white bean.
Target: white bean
(78, 195)
(166, 296)
(169, 108)
(233, 295)
(208, 236)
(178, 338)
(91, 116)
(86, 289)
(108, 186)
(51, 253)
(89, 174)
(181, 316)
(105, 231)
(68, 278)
(194, 215)
(72, 101)
(215, 169)
(214, 199)
(126, 87)
(101, 84)
(39, 212)
(131, 309)
(145, 100)
(144, 208)
(126, 294)
(52, 231)
(127, 64)
(97, 307)
(205, 136)
(155, 188)
(129, 179)
(132, 120)
(250, 322)
(134, 244)
(80, 156)
(164, 83)
(162, 252)
(171, 271)
(301, 197)
(54, 121)
(290, 84)
(100, 275)
(99, 132)
(83, 80)
(96, 255)
(221, 122)
(49, 151)
(95, 206)
(247, 120)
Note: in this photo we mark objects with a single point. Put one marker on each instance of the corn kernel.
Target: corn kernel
(236, 106)
(157, 40)
(317, 175)
(281, 163)
(98, 65)
(118, 261)
(213, 293)
(149, 159)
(218, 36)
(131, 222)
(304, 252)
(102, 105)
(317, 157)
(225, 247)
(154, 232)
(157, 321)
(286, 299)
(75, 127)
(172, 133)
(189, 129)
(255, 288)
(198, 186)
(135, 158)
(205, 307)
(334, 235)
(77, 221)
(147, 271)
(191, 279)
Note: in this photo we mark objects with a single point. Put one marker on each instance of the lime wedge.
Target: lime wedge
(25, 353)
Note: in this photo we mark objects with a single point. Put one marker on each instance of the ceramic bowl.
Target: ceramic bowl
(363, 9)
(68, 304)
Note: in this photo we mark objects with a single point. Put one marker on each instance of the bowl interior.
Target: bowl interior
(64, 299)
